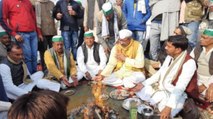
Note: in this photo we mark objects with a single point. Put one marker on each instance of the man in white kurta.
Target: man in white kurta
(125, 64)
(16, 78)
(203, 54)
(167, 97)
(87, 55)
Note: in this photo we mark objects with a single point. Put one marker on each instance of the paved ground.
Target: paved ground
(84, 94)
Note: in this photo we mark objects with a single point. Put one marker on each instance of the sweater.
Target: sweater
(136, 20)
(19, 16)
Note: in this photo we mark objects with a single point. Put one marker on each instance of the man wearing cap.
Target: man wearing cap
(109, 21)
(4, 41)
(203, 55)
(125, 64)
(16, 78)
(60, 63)
(91, 57)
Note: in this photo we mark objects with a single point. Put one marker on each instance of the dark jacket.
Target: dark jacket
(68, 22)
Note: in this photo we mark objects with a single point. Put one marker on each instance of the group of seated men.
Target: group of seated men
(125, 68)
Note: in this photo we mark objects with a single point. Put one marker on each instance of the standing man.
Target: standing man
(125, 64)
(164, 20)
(203, 55)
(91, 57)
(46, 23)
(68, 12)
(19, 16)
(191, 14)
(109, 21)
(137, 12)
(60, 64)
(172, 79)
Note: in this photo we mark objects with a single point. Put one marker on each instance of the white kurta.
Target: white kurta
(13, 91)
(167, 94)
(124, 76)
(91, 65)
(204, 76)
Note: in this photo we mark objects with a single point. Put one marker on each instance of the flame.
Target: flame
(97, 92)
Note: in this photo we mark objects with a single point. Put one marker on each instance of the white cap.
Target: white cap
(107, 8)
(125, 33)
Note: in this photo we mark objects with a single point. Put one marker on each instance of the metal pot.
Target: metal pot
(147, 113)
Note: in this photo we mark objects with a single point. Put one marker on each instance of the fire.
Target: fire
(97, 90)
(96, 108)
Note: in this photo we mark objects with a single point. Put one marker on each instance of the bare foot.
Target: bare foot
(210, 109)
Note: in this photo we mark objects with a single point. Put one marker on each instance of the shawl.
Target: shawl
(66, 61)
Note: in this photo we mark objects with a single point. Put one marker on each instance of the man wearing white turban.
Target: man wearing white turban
(125, 64)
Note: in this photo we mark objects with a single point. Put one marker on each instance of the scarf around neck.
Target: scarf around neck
(66, 61)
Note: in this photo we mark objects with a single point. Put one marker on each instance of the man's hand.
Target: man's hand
(86, 28)
(107, 50)
(98, 78)
(99, 72)
(19, 38)
(165, 113)
(121, 57)
(72, 12)
(156, 64)
(59, 15)
(201, 88)
(40, 37)
(75, 80)
(65, 81)
(138, 87)
(88, 76)
(209, 93)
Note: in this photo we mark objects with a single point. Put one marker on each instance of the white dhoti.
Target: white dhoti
(40, 83)
(79, 77)
(127, 82)
(159, 98)
(92, 72)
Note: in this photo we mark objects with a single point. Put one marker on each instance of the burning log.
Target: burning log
(96, 108)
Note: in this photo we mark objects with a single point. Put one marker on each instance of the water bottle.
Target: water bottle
(133, 110)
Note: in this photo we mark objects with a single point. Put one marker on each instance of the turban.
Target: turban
(88, 34)
(57, 39)
(2, 32)
(208, 32)
(107, 8)
(125, 33)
